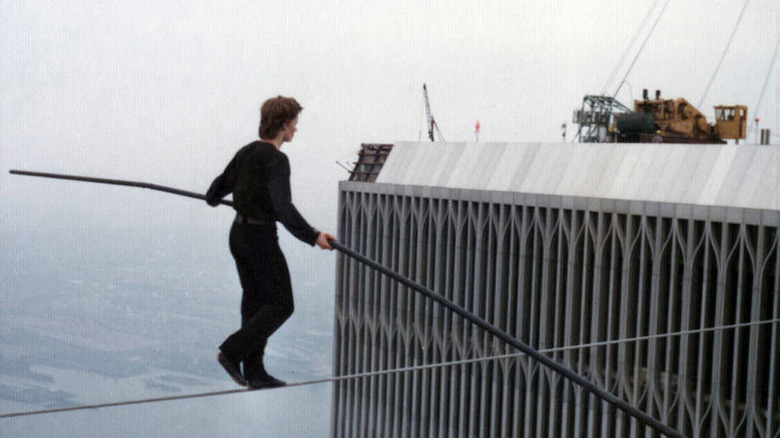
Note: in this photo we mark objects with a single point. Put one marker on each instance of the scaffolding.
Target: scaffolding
(597, 118)
(371, 158)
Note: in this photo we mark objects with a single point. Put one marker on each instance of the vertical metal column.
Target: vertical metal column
(553, 277)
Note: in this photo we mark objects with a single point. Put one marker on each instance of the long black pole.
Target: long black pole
(500, 334)
(116, 182)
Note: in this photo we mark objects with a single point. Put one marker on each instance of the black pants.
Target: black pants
(267, 301)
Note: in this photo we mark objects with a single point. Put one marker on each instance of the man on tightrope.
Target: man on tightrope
(259, 178)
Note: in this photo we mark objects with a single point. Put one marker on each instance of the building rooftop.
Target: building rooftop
(727, 175)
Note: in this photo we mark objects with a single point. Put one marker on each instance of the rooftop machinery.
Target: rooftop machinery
(605, 119)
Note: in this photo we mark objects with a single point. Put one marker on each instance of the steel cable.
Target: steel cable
(379, 372)
(723, 56)
(768, 76)
(622, 58)
(641, 48)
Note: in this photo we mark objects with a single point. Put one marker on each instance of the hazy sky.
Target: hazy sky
(167, 91)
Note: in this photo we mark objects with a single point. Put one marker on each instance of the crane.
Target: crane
(431, 122)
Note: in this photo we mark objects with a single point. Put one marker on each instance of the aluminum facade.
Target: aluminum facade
(555, 271)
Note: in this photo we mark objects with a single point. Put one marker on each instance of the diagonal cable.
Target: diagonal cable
(768, 75)
(628, 48)
(641, 48)
(723, 56)
(379, 372)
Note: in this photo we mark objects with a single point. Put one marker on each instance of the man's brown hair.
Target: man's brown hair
(274, 113)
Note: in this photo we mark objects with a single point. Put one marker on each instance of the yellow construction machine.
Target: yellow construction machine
(677, 121)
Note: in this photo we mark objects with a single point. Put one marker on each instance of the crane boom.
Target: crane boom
(431, 122)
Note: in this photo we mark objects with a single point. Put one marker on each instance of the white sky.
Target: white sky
(166, 91)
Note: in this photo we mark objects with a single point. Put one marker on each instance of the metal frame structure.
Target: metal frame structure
(596, 117)
(371, 158)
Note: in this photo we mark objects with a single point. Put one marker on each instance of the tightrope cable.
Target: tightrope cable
(378, 372)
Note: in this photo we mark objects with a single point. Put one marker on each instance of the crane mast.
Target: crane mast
(431, 122)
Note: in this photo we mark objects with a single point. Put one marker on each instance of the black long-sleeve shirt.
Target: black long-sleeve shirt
(259, 178)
